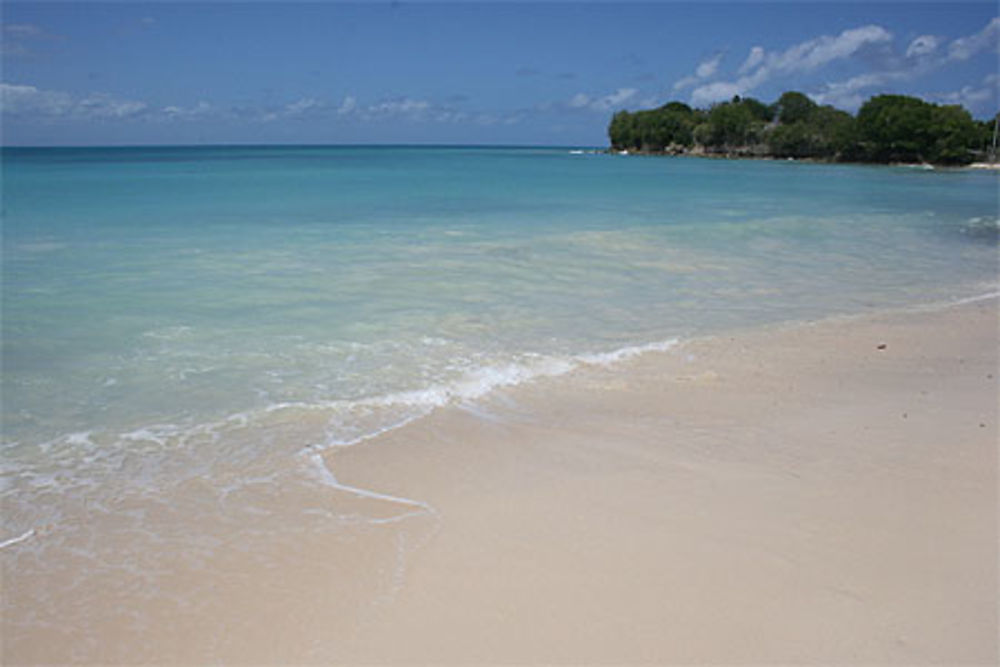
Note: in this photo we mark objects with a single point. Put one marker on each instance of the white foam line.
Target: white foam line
(368, 436)
(15, 540)
(949, 303)
(625, 353)
(465, 392)
(328, 478)
(974, 299)
(396, 518)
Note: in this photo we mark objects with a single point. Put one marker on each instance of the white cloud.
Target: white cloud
(404, 107)
(825, 49)
(99, 105)
(349, 104)
(848, 94)
(708, 67)
(32, 103)
(29, 101)
(303, 105)
(686, 82)
(754, 58)
(705, 69)
(923, 56)
(408, 109)
(17, 36)
(716, 92)
(614, 100)
(988, 38)
(760, 66)
(922, 46)
(23, 30)
(968, 96)
(608, 102)
(815, 53)
(200, 110)
(983, 97)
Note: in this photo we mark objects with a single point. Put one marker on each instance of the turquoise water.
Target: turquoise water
(188, 284)
(221, 314)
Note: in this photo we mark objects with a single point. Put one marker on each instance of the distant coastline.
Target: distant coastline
(888, 129)
(695, 153)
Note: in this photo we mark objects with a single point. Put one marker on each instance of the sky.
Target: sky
(532, 73)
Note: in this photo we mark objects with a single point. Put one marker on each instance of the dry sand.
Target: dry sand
(821, 493)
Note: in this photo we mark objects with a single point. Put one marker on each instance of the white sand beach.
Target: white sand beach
(811, 494)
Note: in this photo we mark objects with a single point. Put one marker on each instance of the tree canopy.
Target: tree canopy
(887, 128)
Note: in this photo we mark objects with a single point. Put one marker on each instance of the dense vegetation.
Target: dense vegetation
(887, 128)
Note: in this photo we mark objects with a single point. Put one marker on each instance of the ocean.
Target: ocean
(186, 330)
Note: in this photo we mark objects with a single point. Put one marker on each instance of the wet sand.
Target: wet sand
(813, 493)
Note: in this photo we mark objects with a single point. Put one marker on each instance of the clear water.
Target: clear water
(220, 314)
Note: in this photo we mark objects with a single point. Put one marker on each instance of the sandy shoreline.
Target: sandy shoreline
(794, 494)
(789, 495)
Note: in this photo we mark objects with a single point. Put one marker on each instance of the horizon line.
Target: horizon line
(302, 145)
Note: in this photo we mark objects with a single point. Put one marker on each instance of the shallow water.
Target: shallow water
(185, 329)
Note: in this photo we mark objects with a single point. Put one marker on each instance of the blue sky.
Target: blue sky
(460, 72)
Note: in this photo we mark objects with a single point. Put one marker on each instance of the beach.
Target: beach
(815, 493)
(807, 493)
(810, 493)
(348, 404)
(385, 333)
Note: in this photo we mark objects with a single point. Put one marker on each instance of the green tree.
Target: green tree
(652, 129)
(954, 135)
(898, 128)
(835, 129)
(888, 128)
(895, 128)
(827, 133)
(758, 109)
(622, 131)
(794, 140)
(678, 107)
(731, 125)
(673, 124)
(793, 107)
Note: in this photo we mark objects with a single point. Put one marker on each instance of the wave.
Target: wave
(969, 299)
(479, 383)
(473, 386)
(283, 442)
(982, 226)
(372, 416)
(626, 353)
